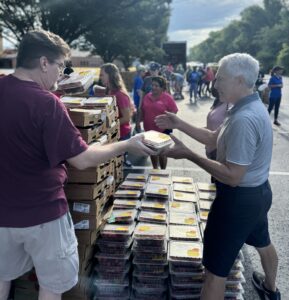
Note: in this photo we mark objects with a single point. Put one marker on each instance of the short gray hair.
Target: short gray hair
(241, 64)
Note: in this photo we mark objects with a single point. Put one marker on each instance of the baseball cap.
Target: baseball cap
(277, 68)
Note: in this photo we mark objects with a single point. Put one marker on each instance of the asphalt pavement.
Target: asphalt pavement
(279, 179)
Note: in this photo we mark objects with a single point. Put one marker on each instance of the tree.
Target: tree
(135, 31)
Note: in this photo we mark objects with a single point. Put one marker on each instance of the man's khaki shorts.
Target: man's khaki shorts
(50, 247)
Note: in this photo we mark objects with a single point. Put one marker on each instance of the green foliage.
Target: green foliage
(113, 29)
(262, 32)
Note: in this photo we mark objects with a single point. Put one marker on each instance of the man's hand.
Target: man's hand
(168, 121)
(178, 151)
(136, 146)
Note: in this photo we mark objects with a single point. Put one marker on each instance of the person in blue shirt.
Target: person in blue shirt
(193, 81)
(275, 84)
(137, 86)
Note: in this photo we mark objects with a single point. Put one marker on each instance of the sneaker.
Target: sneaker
(265, 294)
(277, 123)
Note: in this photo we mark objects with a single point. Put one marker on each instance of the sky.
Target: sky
(193, 20)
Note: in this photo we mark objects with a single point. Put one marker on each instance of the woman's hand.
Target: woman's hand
(168, 121)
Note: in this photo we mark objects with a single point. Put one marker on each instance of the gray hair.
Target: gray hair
(241, 64)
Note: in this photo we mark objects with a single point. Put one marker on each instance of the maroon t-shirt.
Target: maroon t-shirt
(36, 136)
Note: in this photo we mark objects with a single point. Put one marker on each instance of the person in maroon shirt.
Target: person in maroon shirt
(37, 137)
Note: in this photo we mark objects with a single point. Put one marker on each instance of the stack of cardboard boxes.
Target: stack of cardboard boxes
(88, 191)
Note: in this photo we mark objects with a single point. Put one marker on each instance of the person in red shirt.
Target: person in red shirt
(111, 78)
(37, 138)
(156, 103)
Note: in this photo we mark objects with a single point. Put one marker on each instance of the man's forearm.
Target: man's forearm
(202, 135)
(97, 154)
(218, 170)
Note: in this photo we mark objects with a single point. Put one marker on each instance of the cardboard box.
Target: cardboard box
(86, 117)
(90, 175)
(86, 237)
(88, 192)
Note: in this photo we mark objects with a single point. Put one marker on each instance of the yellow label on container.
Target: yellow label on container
(121, 228)
(155, 178)
(159, 217)
(126, 214)
(163, 191)
(130, 202)
(190, 221)
(176, 205)
(140, 177)
(158, 205)
(164, 136)
(204, 214)
(144, 228)
(137, 185)
(178, 194)
(191, 234)
(194, 252)
(131, 193)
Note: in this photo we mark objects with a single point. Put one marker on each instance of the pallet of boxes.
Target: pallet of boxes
(88, 191)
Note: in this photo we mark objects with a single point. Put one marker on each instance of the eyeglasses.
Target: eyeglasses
(60, 66)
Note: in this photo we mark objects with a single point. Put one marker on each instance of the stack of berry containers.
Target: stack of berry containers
(150, 266)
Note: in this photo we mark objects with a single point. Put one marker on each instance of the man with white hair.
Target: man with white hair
(244, 149)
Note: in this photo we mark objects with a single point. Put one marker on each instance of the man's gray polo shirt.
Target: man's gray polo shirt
(246, 139)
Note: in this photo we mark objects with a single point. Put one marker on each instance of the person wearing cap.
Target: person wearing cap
(275, 84)
(137, 93)
(239, 213)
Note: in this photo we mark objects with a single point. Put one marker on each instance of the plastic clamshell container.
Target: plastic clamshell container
(158, 190)
(136, 177)
(207, 187)
(156, 206)
(158, 172)
(122, 216)
(132, 185)
(112, 261)
(237, 277)
(195, 281)
(185, 197)
(137, 295)
(185, 233)
(185, 268)
(125, 204)
(187, 188)
(127, 194)
(238, 266)
(185, 251)
(207, 196)
(176, 218)
(152, 217)
(203, 215)
(151, 269)
(150, 246)
(108, 246)
(147, 278)
(178, 206)
(146, 257)
(148, 287)
(117, 231)
(112, 290)
(111, 278)
(156, 139)
(150, 231)
(154, 179)
(205, 205)
(183, 180)
(112, 270)
(184, 293)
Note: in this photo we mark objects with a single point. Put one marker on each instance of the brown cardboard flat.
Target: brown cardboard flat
(75, 191)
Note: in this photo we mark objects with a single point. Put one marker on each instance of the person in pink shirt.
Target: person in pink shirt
(209, 77)
(111, 78)
(156, 103)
